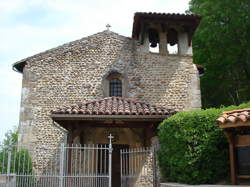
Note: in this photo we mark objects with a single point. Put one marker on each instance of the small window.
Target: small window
(114, 84)
(115, 87)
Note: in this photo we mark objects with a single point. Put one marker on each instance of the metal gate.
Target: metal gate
(74, 166)
(138, 167)
(50, 166)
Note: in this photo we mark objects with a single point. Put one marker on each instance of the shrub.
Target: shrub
(193, 148)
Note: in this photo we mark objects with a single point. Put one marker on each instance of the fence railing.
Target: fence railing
(137, 167)
(75, 166)
(66, 165)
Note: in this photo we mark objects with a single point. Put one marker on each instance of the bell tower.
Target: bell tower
(163, 31)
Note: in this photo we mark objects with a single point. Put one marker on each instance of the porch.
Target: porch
(133, 126)
(130, 122)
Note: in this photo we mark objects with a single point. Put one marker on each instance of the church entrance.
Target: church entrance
(133, 126)
(116, 163)
(129, 166)
(89, 165)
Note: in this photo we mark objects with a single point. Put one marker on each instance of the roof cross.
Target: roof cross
(108, 26)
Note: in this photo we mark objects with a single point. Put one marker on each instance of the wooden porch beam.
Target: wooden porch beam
(68, 125)
(81, 117)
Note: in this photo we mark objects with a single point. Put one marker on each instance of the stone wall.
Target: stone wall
(146, 174)
(74, 73)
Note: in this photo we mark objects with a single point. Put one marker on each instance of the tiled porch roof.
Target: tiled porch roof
(114, 106)
(234, 116)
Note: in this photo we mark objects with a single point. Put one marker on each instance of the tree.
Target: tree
(222, 45)
(11, 137)
(20, 159)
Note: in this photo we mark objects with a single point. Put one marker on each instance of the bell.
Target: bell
(153, 44)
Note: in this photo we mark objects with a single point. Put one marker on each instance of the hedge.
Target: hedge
(193, 149)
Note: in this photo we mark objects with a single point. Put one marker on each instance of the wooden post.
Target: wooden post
(149, 132)
(232, 164)
(231, 140)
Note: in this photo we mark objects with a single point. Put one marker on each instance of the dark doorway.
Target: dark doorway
(103, 162)
(116, 164)
(243, 159)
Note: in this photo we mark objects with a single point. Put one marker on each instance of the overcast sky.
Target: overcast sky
(28, 27)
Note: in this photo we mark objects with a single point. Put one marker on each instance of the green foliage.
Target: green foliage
(221, 44)
(20, 159)
(193, 148)
(11, 137)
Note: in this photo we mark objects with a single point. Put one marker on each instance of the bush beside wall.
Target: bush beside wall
(193, 148)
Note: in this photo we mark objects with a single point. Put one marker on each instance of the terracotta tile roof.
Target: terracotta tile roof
(113, 106)
(233, 116)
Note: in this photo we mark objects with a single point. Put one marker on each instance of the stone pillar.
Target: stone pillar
(163, 49)
(183, 47)
(145, 46)
(156, 169)
(194, 98)
(155, 142)
(27, 127)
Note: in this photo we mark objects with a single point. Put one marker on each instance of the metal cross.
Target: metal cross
(108, 26)
(110, 138)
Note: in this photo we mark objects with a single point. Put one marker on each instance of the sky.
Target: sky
(28, 27)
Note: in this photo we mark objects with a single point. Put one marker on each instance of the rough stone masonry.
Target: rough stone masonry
(74, 73)
(79, 71)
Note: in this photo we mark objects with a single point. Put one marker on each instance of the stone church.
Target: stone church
(82, 91)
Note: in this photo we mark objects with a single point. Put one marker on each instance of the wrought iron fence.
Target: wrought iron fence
(74, 166)
(87, 165)
(66, 165)
(138, 167)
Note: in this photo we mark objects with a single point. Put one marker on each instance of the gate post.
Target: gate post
(61, 165)
(110, 159)
(154, 165)
(8, 166)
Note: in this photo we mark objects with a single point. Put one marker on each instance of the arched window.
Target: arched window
(114, 84)
(115, 87)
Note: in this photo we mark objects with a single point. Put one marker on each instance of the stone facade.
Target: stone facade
(81, 71)
(75, 72)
